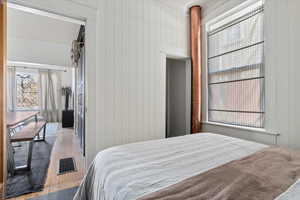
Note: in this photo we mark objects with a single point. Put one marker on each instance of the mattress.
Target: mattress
(132, 171)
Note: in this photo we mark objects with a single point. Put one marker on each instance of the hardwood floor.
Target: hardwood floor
(66, 145)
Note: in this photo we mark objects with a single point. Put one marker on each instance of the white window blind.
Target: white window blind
(236, 90)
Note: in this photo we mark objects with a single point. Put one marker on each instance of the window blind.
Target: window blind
(236, 90)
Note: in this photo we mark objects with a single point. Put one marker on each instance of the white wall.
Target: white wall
(124, 93)
(67, 77)
(282, 29)
(130, 78)
(67, 80)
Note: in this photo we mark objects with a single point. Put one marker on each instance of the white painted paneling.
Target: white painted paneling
(123, 107)
(282, 41)
(130, 77)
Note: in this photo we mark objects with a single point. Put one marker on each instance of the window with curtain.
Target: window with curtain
(236, 90)
(27, 90)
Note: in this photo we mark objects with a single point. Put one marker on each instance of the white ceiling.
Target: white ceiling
(89, 3)
(30, 26)
(186, 3)
(93, 3)
(39, 39)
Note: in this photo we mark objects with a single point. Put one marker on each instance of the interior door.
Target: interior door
(3, 95)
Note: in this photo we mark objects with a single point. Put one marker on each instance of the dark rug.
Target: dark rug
(67, 194)
(32, 181)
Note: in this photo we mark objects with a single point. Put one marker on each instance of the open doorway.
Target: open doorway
(45, 102)
(178, 101)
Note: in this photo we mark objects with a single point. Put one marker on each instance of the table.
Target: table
(13, 119)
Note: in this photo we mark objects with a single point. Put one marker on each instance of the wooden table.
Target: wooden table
(13, 120)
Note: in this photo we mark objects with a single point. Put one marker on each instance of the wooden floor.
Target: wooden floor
(66, 145)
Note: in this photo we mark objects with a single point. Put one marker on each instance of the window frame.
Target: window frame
(224, 20)
(29, 71)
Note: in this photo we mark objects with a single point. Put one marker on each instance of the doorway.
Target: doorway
(50, 72)
(178, 97)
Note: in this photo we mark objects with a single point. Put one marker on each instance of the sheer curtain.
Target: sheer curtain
(11, 89)
(50, 95)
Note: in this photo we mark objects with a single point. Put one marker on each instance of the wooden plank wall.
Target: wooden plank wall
(2, 91)
(195, 14)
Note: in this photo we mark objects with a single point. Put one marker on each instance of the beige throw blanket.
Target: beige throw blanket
(261, 176)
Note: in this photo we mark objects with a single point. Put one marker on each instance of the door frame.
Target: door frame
(188, 98)
(71, 9)
(163, 59)
(68, 9)
(83, 71)
(3, 44)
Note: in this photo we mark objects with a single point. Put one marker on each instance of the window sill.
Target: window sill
(256, 130)
(26, 110)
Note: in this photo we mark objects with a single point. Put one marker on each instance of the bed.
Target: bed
(135, 171)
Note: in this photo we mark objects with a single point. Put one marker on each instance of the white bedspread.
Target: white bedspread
(134, 170)
(293, 193)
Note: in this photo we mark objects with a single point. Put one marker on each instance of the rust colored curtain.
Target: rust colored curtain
(195, 20)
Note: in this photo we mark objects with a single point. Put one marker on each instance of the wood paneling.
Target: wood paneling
(195, 20)
(2, 90)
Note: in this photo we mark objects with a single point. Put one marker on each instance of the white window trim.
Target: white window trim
(45, 14)
(256, 130)
(223, 19)
(25, 109)
(232, 14)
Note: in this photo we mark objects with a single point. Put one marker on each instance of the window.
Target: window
(27, 91)
(236, 71)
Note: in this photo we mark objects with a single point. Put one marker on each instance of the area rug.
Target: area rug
(32, 181)
(67, 194)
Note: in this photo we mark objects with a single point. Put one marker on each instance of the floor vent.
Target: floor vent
(66, 165)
